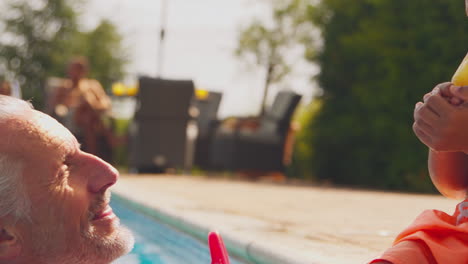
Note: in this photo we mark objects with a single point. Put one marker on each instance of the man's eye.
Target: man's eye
(64, 171)
(61, 178)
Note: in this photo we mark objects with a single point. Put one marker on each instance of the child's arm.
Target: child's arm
(449, 172)
(441, 123)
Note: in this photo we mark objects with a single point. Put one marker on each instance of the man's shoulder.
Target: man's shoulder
(64, 87)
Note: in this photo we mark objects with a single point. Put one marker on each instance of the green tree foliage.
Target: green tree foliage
(40, 37)
(33, 43)
(102, 46)
(379, 57)
(301, 167)
(268, 43)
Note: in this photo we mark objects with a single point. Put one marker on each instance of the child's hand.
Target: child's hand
(438, 123)
(219, 254)
(446, 90)
(460, 92)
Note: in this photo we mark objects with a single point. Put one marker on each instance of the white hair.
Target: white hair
(14, 201)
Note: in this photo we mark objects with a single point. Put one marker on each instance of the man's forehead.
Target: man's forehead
(36, 131)
(52, 131)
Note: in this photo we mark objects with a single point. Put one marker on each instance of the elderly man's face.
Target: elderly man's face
(71, 218)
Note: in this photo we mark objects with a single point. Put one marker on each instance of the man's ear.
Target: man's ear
(10, 246)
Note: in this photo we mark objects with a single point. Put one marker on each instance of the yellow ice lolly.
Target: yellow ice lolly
(460, 78)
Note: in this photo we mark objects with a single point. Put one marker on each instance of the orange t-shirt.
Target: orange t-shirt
(433, 238)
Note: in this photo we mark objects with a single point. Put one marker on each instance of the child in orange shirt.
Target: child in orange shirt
(441, 123)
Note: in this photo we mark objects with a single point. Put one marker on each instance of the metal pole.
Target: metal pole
(162, 34)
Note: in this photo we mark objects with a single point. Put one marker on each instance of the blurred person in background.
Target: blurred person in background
(5, 88)
(81, 105)
(10, 88)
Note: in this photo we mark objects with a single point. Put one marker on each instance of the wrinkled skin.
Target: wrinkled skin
(69, 191)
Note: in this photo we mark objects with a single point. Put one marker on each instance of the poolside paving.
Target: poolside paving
(313, 224)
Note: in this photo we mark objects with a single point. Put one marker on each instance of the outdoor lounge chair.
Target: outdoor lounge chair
(261, 147)
(158, 133)
(207, 122)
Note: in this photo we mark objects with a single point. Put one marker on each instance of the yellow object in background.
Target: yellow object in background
(120, 89)
(132, 90)
(201, 94)
(460, 78)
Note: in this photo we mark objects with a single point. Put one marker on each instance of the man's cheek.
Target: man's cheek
(70, 205)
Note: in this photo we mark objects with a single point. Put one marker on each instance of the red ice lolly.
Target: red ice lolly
(219, 254)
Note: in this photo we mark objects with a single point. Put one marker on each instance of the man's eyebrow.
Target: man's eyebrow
(72, 146)
(76, 144)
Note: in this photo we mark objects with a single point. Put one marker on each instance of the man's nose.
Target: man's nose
(101, 175)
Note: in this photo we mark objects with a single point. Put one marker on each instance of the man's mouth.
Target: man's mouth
(105, 213)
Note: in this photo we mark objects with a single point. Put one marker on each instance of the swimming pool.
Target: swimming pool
(158, 243)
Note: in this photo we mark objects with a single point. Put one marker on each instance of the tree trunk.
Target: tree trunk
(267, 86)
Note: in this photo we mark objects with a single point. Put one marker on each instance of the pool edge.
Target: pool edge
(250, 251)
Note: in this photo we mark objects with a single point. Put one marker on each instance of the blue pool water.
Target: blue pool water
(157, 243)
